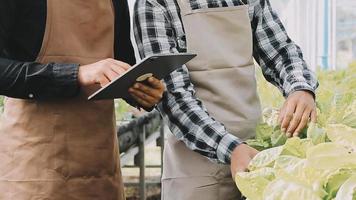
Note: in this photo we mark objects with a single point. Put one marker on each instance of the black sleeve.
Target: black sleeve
(30, 79)
(27, 80)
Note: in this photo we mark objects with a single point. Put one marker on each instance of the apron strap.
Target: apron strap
(185, 7)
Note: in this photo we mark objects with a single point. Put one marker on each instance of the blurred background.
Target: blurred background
(326, 32)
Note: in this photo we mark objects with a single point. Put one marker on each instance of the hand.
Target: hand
(149, 94)
(297, 110)
(101, 72)
(241, 157)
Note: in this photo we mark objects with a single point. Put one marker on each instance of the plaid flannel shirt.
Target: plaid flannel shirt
(158, 29)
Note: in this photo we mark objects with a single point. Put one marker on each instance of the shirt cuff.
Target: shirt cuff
(300, 86)
(226, 146)
(66, 79)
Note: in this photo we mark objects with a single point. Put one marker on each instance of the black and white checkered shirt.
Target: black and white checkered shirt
(158, 29)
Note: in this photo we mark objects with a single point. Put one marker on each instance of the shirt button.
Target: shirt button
(30, 96)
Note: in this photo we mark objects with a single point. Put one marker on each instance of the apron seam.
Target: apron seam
(223, 68)
(216, 10)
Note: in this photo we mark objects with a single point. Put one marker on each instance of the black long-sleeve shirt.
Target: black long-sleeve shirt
(22, 27)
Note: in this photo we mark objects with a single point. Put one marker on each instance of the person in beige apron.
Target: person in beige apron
(225, 34)
(225, 82)
(64, 149)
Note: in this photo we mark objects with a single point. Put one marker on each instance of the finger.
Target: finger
(288, 116)
(313, 116)
(155, 83)
(148, 90)
(142, 102)
(303, 122)
(281, 114)
(142, 96)
(124, 65)
(297, 117)
(103, 81)
(117, 69)
(110, 74)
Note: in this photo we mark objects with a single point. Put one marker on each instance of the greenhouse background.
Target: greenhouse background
(326, 32)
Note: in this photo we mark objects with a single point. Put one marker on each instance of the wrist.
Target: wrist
(238, 148)
(226, 146)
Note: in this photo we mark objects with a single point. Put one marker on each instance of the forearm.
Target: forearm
(31, 80)
(280, 58)
(190, 122)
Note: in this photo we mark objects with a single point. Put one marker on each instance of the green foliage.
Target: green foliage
(313, 170)
(122, 110)
(319, 165)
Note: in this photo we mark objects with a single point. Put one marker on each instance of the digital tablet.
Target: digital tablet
(157, 66)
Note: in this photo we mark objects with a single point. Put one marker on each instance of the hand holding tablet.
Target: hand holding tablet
(157, 66)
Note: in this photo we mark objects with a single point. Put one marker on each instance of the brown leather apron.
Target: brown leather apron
(223, 74)
(64, 149)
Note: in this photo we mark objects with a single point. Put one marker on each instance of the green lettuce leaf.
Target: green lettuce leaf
(260, 145)
(289, 164)
(347, 190)
(335, 180)
(330, 156)
(286, 188)
(343, 135)
(317, 135)
(265, 158)
(278, 138)
(263, 131)
(252, 184)
(297, 147)
(349, 117)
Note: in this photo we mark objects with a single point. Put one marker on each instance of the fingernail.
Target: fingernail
(289, 134)
(295, 134)
(283, 130)
(136, 86)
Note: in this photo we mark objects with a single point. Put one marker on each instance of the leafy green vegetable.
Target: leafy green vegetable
(336, 179)
(347, 190)
(258, 144)
(318, 135)
(265, 158)
(349, 117)
(263, 131)
(278, 138)
(253, 184)
(297, 147)
(289, 189)
(289, 164)
(319, 165)
(343, 135)
(330, 156)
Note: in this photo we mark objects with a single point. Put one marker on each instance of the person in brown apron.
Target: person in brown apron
(223, 75)
(66, 148)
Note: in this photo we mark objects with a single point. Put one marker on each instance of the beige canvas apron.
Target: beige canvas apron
(223, 74)
(64, 149)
